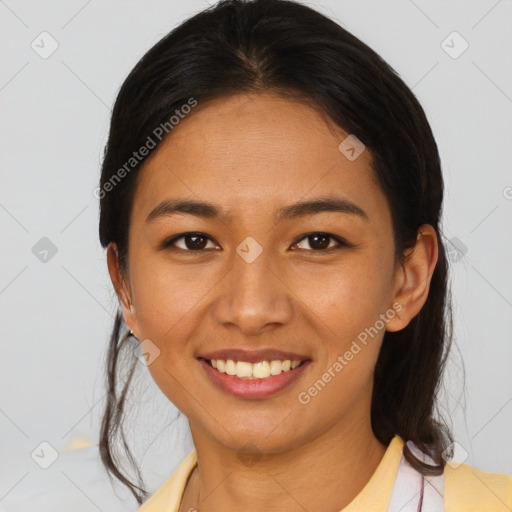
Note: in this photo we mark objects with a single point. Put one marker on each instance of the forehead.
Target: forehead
(252, 152)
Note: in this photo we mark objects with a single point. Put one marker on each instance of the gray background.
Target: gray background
(56, 315)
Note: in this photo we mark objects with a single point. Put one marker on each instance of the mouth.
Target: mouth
(251, 371)
(249, 374)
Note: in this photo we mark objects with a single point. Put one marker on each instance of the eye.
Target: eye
(196, 242)
(193, 242)
(320, 242)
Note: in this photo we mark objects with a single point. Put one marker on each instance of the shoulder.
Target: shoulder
(470, 489)
(168, 497)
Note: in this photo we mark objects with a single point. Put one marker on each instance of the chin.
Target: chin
(259, 440)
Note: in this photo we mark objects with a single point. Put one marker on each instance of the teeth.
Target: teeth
(275, 367)
(243, 369)
(259, 370)
(230, 367)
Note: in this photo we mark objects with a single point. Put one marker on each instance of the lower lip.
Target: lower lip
(253, 388)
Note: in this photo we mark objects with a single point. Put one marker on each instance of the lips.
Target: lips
(257, 388)
(253, 374)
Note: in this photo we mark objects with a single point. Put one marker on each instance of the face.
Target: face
(308, 282)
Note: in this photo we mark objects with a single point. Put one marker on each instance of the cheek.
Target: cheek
(346, 297)
(346, 304)
(167, 295)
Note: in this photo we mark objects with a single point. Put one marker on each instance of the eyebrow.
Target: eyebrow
(208, 210)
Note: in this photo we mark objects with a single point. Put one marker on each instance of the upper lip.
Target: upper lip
(253, 356)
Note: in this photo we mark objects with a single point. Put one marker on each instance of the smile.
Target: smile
(251, 371)
(258, 380)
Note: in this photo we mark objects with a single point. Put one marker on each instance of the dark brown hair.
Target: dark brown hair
(289, 49)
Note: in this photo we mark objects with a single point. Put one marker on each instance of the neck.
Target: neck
(324, 474)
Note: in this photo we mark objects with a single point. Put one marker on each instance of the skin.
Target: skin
(252, 154)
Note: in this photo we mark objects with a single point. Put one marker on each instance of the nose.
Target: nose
(253, 297)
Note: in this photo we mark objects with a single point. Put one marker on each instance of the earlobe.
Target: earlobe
(399, 321)
(414, 278)
(396, 321)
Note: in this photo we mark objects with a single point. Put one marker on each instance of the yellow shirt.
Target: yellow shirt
(467, 489)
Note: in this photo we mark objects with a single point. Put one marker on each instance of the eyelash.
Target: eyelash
(340, 241)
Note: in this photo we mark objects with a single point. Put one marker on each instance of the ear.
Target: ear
(412, 280)
(122, 288)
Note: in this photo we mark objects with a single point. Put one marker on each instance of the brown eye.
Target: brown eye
(321, 242)
(191, 242)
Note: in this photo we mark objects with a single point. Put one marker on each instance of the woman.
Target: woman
(270, 201)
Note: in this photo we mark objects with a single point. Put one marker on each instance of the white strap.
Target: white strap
(407, 495)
